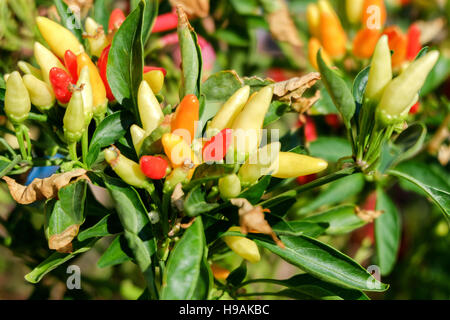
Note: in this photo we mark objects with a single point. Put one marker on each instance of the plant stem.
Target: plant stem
(19, 136)
(85, 145)
(327, 179)
(37, 117)
(26, 133)
(8, 147)
(73, 151)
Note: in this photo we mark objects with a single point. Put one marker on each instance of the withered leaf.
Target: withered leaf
(193, 8)
(41, 189)
(368, 215)
(282, 26)
(63, 242)
(177, 197)
(251, 219)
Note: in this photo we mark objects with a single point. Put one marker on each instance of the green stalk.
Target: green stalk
(37, 117)
(26, 133)
(85, 145)
(19, 136)
(73, 151)
(8, 147)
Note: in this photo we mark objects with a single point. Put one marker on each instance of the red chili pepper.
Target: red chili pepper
(165, 22)
(61, 82)
(306, 179)
(70, 60)
(216, 148)
(151, 68)
(115, 20)
(333, 120)
(153, 167)
(414, 46)
(310, 130)
(415, 108)
(102, 64)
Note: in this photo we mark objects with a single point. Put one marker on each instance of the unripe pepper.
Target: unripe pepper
(293, 165)
(242, 246)
(96, 37)
(46, 60)
(380, 73)
(364, 42)
(414, 45)
(229, 111)
(17, 100)
(216, 148)
(178, 151)
(150, 111)
(184, 123)
(229, 186)
(354, 10)
(41, 94)
(61, 83)
(27, 68)
(74, 122)
(58, 38)
(137, 136)
(397, 43)
(248, 124)
(332, 34)
(264, 162)
(102, 66)
(314, 46)
(98, 89)
(116, 19)
(178, 175)
(313, 19)
(154, 167)
(399, 95)
(155, 80)
(128, 170)
(84, 82)
(374, 14)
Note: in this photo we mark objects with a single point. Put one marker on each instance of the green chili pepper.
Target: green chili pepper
(17, 99)
(74, 121)
(229, 186)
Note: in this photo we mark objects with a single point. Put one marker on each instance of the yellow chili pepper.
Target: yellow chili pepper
(100, 101)
(27, 68)
(313, 19)
(292, 165)
(150, 111)
(17, 100)
(380, 73)
(332, 34)
(354, 9)
(178, 151)
(128, 170)
(46, 60)
(242, 246)
(137, 135)
(74, 122)
(96, 37)
(229, 111)
(155, 80)
(58, 38)
(84, 82)
(41, 94)
(314, 46)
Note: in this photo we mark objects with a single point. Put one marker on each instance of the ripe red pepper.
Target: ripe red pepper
(415, 108)
(115, 20)
(333, 120)
(70, 61)
(153, 167)
(306, 179)
(216, 148)
(414, 46)
(102, 64)
(61, 82)
(310, 130)
(151, 68)
(165, 22)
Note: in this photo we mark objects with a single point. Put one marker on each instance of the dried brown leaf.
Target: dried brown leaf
(41, 189)
(251, 219)
(368, 215)
(193, 8)
(63, 242)
(177, 197)
(282, 26)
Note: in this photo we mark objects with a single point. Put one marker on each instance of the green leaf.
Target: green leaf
(238, 275)
(231, 37)
(325, 104)
(107, 226)
(110, 130)
(126, 61)
(330, 148)
(102, 12)
(195, 202)
(254, 193)
(359, 85)
(57, 259)
(115, 254)
(276, 110)
(209, 172)
(338, 90)
(437, 76)
(299, 227)
(150, 14)
(205, 281)
(69, 19)
(341, 219)
(387, 233)
(184, 266)
(323, 262)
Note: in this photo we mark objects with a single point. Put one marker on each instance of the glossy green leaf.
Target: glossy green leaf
(115, 254)
(330, 149)
(387, 233)
(276, 110)
(102, 11)
(359, 85)
(195, 202)
(69, 19)
(254, 193)
(107, 226)
(299, 227)
(150, 14)
(238, 275)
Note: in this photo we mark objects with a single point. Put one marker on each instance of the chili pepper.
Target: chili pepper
(46, 60)
(374, 14)
(415, 108)
(216, 148)
(306, 179)
(165, 22)
(61, 83)
(332, 34)
(150, 111)
(153, 167)
(84, 82)
(152, 143)
(102, 66)
(414, 45)
(313, 19)
(178, 151)
(333, 121)
(41, 94)
(310, 130)
(229, 111)
(229, 186)
(116, 19)
(128, 170)
(74, 122)
(96, 37)
(354, 10)
(249, 122)
(397, 43)
(293, 165)
(58, 38)
(380, 73)
(155, 80)
(137, 135)
(184, 123)
(98, 89)
(27, 68)
(70, 60)
(151, 68)
(401, 92)
(219, 273)
(264, 162)
(178, 175)
(17, 100)
(364, 42)
(314, 46)
(242, 246)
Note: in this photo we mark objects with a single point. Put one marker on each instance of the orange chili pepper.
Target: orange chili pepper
(374, 14)
(186, 118)
(365, 42)
(332, 34)
(313, 47)
(398, 43)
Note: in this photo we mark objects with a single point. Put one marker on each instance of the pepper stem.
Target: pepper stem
(73, 151)
(19, 136)
(26, 133)
(85, 145)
